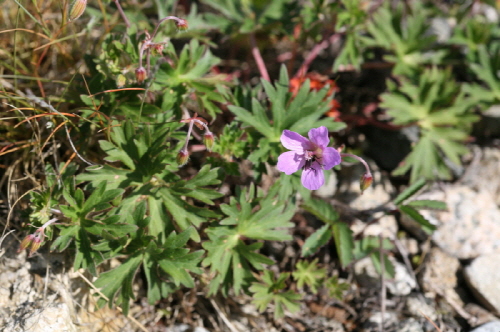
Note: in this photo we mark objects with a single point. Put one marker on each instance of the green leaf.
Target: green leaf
(322, 210)
(270, 290)
(428, 204)
(410, 191)
(248, 218)
(308, 273)
(415, 215)
(66, 235)
(84, 257)
(388, 266)
(316, 240)
(344, 242)
(119, 279)
(335, 288)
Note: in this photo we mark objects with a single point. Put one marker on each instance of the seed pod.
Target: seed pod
(181, 24)
(35, 245)
(157, 49)
(76, 10)
(140, 75)
(208, 140)
(365, 181)
(27, 242)
(182, 158)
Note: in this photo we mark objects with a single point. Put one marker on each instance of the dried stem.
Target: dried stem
(382, 283)
(258, 58)
(315, 52)
(122, 13)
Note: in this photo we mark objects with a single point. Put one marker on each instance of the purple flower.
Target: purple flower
(312, 155)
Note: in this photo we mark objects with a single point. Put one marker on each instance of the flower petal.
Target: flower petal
(290, 162)
(313, 178)
(319, 136)
(293, 141)
(331, 158)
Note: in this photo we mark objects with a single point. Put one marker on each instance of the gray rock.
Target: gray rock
(330, 187)
(442, 28)
(479, 315)
(386, 226)
(483, 277)
(439, 276)
(403, 283)
(377, 194)
(417, 307)
(470, 227)
(484, 167)
(488, 327)
(410, 325)
(55, 317)
(367, 276)
(389, 319)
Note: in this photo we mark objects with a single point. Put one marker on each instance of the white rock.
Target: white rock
(440, 275)
(484, 167)
(386, 226)
(488, 327)
(330, 187)
(52, 318)
(410, 325)
(419, 308)
(403, 282)
(372, 324)
(483, 276)
(367, 276)
(470, 227)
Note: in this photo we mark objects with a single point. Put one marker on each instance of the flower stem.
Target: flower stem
(190, 129)
(176, 19)
(48, 223)
(367, 168)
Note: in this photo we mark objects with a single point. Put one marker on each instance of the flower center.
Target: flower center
(312, 157)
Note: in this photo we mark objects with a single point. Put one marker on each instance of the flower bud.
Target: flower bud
(76, 10)
(35, 245)
(365, 181)
(140, 75)
(181, 24)
(182, 158)
(157, 49)
(208, 140)
(26, 242)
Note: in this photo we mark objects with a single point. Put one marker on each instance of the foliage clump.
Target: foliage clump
(119, 175)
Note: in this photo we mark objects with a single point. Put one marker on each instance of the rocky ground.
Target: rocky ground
(447, 282)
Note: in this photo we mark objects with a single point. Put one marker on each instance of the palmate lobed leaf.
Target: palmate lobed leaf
(426, 159)
(443, 111)
(270, 291)
(308, 273)
(298, 114)
(100, 196)
(119, 279)
(230, 258)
